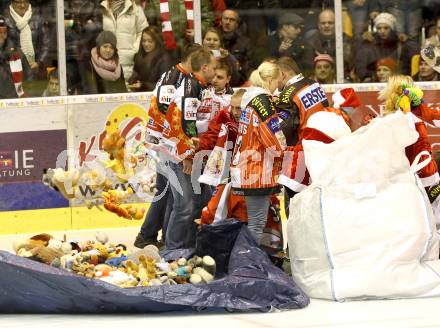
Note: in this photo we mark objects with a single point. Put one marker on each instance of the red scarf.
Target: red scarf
(167, 29)
(17, 72)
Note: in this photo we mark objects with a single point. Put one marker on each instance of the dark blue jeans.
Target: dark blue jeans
(158, 215)
(186, 207)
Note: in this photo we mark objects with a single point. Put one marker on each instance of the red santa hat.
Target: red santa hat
(345, 98)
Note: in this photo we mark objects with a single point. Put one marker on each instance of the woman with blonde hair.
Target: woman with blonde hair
(256, 160)
(401, 94)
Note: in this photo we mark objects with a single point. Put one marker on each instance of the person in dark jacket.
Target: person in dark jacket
(106, 70)
(288, 40)
(14, 69)
(28, 30)
(234, 41)
(151, 61)
(83, 23)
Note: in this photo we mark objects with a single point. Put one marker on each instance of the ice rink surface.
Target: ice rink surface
(410, 313)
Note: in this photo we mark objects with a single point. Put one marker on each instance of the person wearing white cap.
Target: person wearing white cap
(384, 43)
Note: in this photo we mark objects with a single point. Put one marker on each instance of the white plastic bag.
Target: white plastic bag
(364, 228)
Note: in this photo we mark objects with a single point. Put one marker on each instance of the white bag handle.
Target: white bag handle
(416, 166)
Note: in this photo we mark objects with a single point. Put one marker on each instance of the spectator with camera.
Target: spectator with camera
(213, 41)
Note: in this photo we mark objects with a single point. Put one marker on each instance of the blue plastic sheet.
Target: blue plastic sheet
(251, 283)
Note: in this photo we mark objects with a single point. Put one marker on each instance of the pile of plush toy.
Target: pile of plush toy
(109, 178)
(113, 263)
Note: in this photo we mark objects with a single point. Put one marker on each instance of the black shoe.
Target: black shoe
(141, 242)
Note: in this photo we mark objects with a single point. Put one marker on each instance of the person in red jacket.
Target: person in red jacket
(227, 116)
(420, 114)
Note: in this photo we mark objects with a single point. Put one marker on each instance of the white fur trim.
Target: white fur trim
(431, 180)
(338, 99)
(329, 123)
(250, 94)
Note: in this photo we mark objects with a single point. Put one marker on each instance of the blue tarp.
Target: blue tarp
(251, 283)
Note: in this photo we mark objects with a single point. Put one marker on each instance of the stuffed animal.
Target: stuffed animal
(65, 182)
(410, 97)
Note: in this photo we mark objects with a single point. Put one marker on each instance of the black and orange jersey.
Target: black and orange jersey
(163, 95)
(180, 121)
(296, 103)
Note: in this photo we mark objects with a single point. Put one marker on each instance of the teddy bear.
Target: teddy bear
(65, 182)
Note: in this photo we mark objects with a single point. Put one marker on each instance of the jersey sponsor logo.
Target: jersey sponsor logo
(256, 121)
(274, 125)
(263, 106)
(245, 116)
(285, 95)
(284, 115)
(166, 94)
(311, 96)
(190, 109)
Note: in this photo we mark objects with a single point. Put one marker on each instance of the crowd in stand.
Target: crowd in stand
(379, 37)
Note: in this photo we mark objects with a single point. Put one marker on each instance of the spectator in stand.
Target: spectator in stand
(14, 68)
(435, 39)
(28, 30)
(126, 20)
(53, 84)
(175, 18)
(324, 70)
(150, 62)
(234, 41)
(213, 41)
(83, 23)
(426, 72)
(324, 42)
(430, 10)
(106, 71)
(385, 67)
(288, 41)
(384, 43)
(408, 15)
(307, 9)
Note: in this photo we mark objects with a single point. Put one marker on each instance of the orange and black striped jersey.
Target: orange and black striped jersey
(256, 160)
(163, 94)
(297, 102)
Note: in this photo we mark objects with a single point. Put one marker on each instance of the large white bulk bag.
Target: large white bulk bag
(364, 228)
